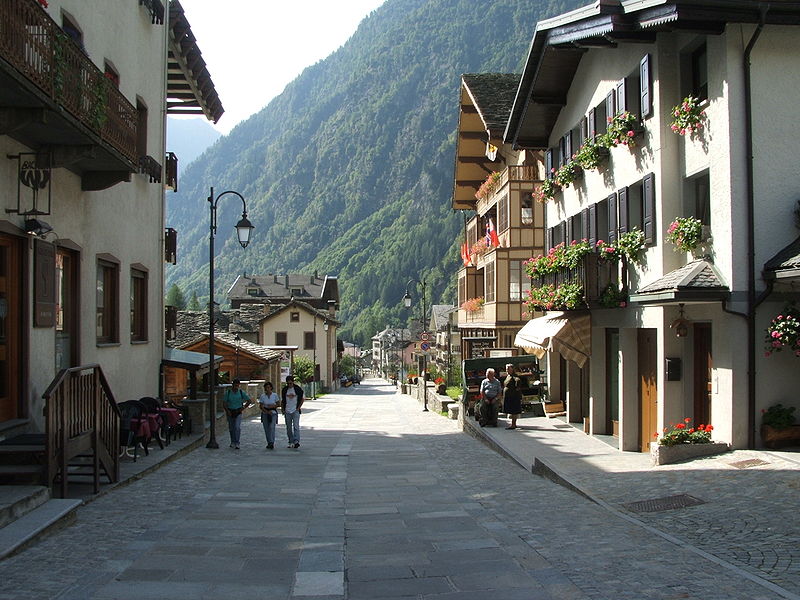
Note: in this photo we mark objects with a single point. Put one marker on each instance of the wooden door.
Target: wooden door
(612, 381)
(10, 328)
(648, 390)
(702, 373)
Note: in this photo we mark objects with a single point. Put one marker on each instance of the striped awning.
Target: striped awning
(569, 334)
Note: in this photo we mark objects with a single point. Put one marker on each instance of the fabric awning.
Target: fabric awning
(569, 334)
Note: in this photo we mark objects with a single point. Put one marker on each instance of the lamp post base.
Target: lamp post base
(212, 444)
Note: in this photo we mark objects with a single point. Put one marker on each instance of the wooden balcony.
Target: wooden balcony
(513, 174)
(593, 274)
(171, 171)
(53, 96)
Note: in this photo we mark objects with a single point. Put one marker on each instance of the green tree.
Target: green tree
(302, 369)
(175, 297)
(194, 304)
(347, 365)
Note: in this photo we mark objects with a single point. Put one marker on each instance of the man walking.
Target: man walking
(291, 402)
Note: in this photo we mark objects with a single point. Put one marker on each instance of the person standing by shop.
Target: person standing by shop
(291, 402)
(234, 403)
(491, 390)
(268, 403)
(512, 395)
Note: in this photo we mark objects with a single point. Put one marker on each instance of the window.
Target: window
(297, 292)
(111, 74)
(280, 338)
(700, 194)
(519, 282)
(526, 209)
(294, 317)
(253, 291)
(70, 27)
(600, 123)
(309, 342)
(489, 281)
(138, 305)
(107, 300)
(699, 70)
(502, 213)
(462, 290)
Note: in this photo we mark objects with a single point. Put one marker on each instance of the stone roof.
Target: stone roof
(256, 350)
(787, 260)
(194, 323)
(493, 94)
(696, 276)
(440, 315)
(283, 287)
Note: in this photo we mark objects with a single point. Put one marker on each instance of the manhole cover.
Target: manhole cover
(750, 462)
(668, 503)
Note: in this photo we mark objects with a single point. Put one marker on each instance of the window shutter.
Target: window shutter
(610, 111)
(171, 246)
(585, 224)
(624, 217)
(622, 104)
(548, 163)
(645, 85)
(612, 217)
(562, 231)
(562, 142)
(570, 230)
(649, 208)
(584, 131)
(592, 225)
(548, 239)
(568, 147)
(591, 123)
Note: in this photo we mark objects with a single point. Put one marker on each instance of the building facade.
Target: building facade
(674, 334)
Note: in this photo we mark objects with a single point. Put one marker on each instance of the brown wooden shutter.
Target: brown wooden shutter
(548, 241)
(612, 218)
(591, 123)
(592, 227)
(610, 100)
(583, 131)
(567, 147)
(561, 145)
(585, 224)
(170, 246)
(170, 322)
(649, 208)
(562, 231)
(548, 163)
(624, 216)
(645, 87)
(622, 101)
(570, 223)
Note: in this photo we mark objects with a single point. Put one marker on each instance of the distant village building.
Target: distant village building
(315, 290)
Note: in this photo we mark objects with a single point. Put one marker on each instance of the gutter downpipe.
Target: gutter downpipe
(751, 258)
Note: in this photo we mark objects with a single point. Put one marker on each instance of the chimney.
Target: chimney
(332, 308)
(286, 285)
(275, 278)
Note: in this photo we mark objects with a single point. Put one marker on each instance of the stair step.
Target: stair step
(16, 500)
(36, 523)
(21, 469)
(18, 448)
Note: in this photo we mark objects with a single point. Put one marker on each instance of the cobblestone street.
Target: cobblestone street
(381, 501)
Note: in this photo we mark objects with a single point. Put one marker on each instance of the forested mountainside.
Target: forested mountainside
(349, 171)
(188, 139)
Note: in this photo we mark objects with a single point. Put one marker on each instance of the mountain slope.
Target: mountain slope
(349, 171)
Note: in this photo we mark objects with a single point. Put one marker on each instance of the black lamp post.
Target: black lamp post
(407, 302)
(243, 230)
(237, 339)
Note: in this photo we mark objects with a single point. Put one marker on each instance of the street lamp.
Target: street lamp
(237, 338)
(243, 230)
(407, 302)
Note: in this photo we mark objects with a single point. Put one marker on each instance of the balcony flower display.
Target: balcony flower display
(560, 257)
(685, 233)
(783, 332)
(590, 155)
(473, 304)
(621, 131)
(489, 186)
(480, 247)
(567, 296)
(682, 433)
(566, 174)
(609, 252)
(688, 116)
(546, 192)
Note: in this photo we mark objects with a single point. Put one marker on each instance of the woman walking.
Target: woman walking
(268, 403)
(234, 403)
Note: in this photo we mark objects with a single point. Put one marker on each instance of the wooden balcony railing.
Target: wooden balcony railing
(592, 273)
(509, 174)
(40, 51)
(149, 166)
(171, 171)
(81, 418)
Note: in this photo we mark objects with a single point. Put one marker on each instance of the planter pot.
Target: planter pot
(664, 455)
(788, 436)
(441, 389)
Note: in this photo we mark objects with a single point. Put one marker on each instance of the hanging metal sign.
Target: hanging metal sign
(34, 173)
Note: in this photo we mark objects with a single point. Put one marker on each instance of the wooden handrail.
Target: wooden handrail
(81, 416)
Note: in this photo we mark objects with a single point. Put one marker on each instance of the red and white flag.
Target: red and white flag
(491, 235)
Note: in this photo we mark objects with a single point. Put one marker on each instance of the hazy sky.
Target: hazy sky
(253, 48)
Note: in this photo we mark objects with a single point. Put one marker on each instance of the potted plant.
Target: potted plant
(784, 332)
(489, 186)
(590, 154)
(441, 386)
(631, 244)
(547, 191)
(566, 174)
(681, 441)
(473, 304)
(688, 116)
(777, 426)
(685, 233)
(620, 131)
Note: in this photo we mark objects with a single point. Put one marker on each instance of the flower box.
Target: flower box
(787, 436)
(664, 455)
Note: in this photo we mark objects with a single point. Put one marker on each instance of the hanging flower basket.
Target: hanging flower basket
(688, 116)
(783, 332)
(621, 131)
(685, 233)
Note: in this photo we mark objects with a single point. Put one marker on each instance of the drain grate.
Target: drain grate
(668, 503)
(750, 462)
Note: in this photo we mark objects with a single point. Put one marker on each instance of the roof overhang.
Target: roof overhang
(190, 90)
(186, 359)
(681, 297)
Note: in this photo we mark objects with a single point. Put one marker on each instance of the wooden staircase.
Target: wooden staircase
(81, 436)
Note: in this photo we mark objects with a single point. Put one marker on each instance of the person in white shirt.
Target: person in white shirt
(291, 402)
(268, 403)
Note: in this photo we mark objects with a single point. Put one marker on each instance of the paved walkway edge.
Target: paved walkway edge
(542, 468)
